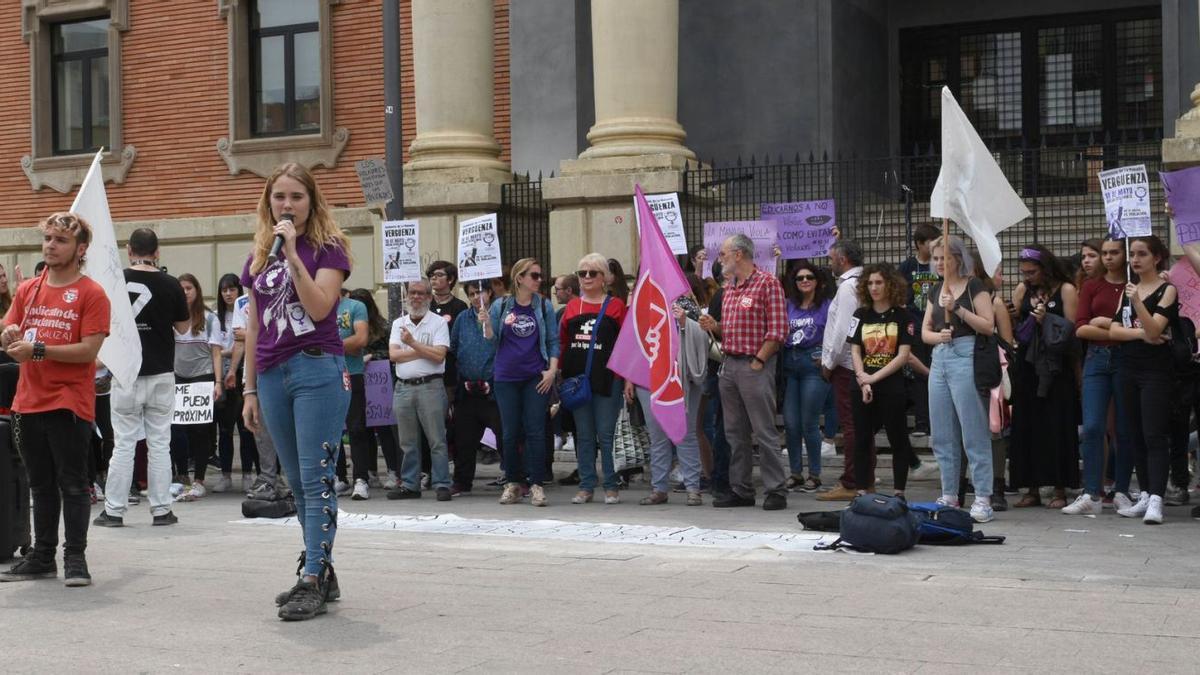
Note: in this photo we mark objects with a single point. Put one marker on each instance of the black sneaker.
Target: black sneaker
(167, 518)
(570, 479)
(332, 594)
(305, 601)
(443, 494)
(733, 499)
(999, 503)
(134, 497)
(773, 502)
(31, 567)
(106, 520)
(403, 493)
(498, 483)
(75, 571)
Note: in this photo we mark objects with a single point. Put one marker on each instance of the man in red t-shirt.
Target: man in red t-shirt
(54, 329)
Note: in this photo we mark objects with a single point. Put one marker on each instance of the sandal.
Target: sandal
(581, 497)
(1056, 503)
(1027, 501)
(654, 499)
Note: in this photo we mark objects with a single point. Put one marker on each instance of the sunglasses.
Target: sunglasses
(536, 276)
(805, 277)
(588, 274)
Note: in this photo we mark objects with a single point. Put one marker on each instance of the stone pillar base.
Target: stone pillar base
(441, 198)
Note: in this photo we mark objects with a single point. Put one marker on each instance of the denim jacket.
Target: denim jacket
(544, 314)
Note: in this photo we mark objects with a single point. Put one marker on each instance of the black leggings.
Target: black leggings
(1147, 390)
(102, 444)
(229, 419)
(363, 451)
(887, 410)
(1185, 400)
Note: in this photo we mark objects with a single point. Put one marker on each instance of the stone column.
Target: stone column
(452, 63)
(1184, 148)
(635, 54)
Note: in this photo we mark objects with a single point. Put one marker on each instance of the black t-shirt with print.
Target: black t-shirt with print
(449, 311)
(158, 302)
(881, 335)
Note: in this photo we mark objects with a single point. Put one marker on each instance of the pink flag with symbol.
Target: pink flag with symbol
(647, 349)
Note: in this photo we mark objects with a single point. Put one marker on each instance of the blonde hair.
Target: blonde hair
(519, 269)
(65, 221)
(322, 230)
(597, 262)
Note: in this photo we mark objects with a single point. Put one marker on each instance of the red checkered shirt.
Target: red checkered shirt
(752, 312)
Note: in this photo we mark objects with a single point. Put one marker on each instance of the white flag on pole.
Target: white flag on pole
(122, 350)
(971, 189)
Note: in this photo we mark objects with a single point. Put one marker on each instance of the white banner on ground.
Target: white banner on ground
(193, 403)
(1126, 201)
(670, 220)
(401, 251)
(479, 249)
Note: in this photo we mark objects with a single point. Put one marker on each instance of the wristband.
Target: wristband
(39, 351)
(247, 392)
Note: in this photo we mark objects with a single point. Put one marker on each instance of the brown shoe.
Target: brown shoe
(654, 499)
(694, 499)
(839, 493)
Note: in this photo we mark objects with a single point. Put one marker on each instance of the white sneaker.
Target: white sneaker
(558, 443)
(390, 481)
(426, 482)
(675, 476)
(981, 512)
(247, 482)
(927, 471)
(947, 500)
(176, 490)
(361, 491)
(1084, 505)
(373, 480)
(223, 483)
(342, 488)
(196, 491)
(99, 491)
(828, 449)
(1121, 501)
(1139, 509)
(569, 443)
(1154, 514)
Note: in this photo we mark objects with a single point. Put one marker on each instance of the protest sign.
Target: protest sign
(804, 229)
(401, 251)
(374, 181)
(670, 220)
(1183, 194)
(1184, 278)
(377, 383)
(478, 249)
(761, 232)
(1126, 201)
(193, 403)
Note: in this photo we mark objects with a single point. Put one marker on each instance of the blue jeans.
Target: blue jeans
(957, 417)
(804, 397)
(422, 408)
(304, 402)
(523, 416)
(714, 430)
(663, 451)
(594, 426)
(1101, 384)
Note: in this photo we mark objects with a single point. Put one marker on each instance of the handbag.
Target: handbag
(631, 443)
(576, 392)
(987, 359)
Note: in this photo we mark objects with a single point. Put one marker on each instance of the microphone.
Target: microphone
(277, 245)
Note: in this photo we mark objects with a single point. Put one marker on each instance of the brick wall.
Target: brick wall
(176, 107)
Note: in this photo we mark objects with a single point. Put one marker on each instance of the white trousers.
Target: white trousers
(144, 411)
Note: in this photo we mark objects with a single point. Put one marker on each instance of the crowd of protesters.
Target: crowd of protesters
(1093, 376)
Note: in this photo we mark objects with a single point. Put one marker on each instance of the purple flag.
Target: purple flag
(647, 349)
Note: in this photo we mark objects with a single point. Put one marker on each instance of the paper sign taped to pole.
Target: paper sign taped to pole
(804, 229)
(401, 251)
(670, 220)
(479, 249)
(193, 403)
(1126, 201)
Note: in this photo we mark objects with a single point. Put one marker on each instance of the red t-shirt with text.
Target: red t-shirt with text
(58, 315)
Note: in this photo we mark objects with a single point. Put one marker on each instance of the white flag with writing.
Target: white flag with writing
(122, 350)
(971, 189)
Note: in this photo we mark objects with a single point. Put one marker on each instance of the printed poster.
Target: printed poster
(670, 220)
(805, 229)
(478, 249)
(1126, 201)
(401, 251)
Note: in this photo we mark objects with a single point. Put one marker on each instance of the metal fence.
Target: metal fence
(524, 221)
(1058, 184)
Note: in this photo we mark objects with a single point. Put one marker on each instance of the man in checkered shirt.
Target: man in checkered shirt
(753, 326)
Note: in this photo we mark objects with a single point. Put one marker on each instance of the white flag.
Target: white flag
(971, 190)
(122, 350)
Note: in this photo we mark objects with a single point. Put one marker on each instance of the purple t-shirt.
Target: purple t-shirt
(806, 327)
(284, 328)
(518, 358)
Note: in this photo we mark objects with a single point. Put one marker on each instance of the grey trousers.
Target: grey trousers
(663, 451)
(748, 400)
(268, 461)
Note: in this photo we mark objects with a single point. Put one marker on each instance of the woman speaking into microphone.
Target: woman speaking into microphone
(296, 369)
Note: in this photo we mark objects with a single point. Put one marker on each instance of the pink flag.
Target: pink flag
(647, 350)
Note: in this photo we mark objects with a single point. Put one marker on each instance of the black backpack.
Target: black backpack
(262, 508)
(876, 524)
(1183, 345)
(821, 521)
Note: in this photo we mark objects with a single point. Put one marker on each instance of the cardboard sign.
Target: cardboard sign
(479, 249)
(761, 232)
(1183, 194)
(805, 229)
(193, 403)
(377, 381)
(374, 181)
(670, 220)
(1126, 201)
(401, 251)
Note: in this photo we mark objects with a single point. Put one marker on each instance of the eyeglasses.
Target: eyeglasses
(588, 274)
(418, 293)
(439, 273)
(536, 276)
(805, 277)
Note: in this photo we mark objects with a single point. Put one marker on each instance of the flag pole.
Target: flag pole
(945, 249)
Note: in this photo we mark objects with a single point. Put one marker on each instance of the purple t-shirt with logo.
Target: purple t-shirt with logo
(806, 327)
(518, 358)
(284, 328)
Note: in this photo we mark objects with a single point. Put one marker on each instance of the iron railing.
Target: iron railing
(524, 221)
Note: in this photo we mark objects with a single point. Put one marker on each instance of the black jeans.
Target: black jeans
(1147, 394)
(363, 451)
(54, 446)
(1185, 400)
(472, 414)
(102, 445)
(887, 410)
(229, 419)
(918, 387)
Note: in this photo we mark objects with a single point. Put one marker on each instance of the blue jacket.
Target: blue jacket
(544, 314)
(474, 352)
